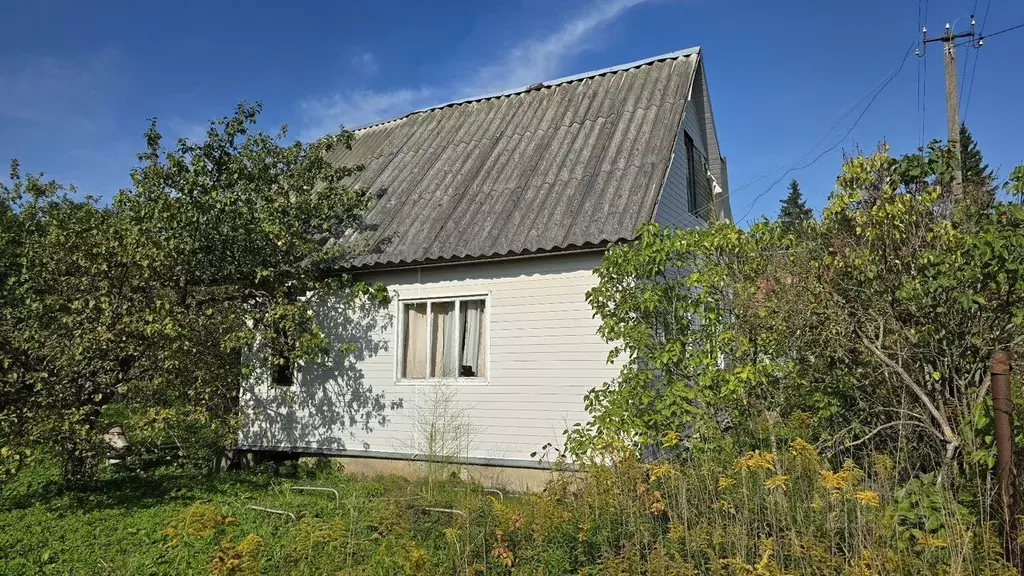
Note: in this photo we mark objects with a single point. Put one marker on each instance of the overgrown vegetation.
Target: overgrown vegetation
(762, 513)
(137, 313)
(877, 321)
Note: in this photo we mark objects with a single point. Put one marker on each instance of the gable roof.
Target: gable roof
(573, 163)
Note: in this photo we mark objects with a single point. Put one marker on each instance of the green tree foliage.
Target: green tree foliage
(979, 180)
(63, 319)
(794, 211)
(874, 326)
(1015, 184)
(144, 308)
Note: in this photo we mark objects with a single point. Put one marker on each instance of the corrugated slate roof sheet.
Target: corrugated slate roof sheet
(579, 162)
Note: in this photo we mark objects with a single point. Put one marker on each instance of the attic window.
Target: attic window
(698, 184)
(443, 339)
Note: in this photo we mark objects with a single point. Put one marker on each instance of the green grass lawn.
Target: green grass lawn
(172, 522)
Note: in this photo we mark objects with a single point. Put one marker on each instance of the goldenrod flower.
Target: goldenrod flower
(929, 541)
(867, 498)
(658, 470)
(831, 480)
(805, 452)
(852, 475)
(882, 466)
(776, 482)
(755, 461)
(724, 482)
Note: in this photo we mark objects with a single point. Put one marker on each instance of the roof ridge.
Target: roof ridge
(545, 84)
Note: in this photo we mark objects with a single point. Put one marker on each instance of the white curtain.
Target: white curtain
(446, 359)
(415, 360)
(472, 351)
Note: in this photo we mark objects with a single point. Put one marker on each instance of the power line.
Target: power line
(924, 99)
(825, 136)
(888, 80)
(974, 72)
(970, 41)
(977, 54)
(974, 68)
(984, 19)
(920, 111)
(981, 38)
(1003, 31)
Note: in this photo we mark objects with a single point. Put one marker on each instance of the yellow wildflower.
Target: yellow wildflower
(929, 541)
(882, 466)
(776, 482)
(852, 475)
(670, 439)
(831, 480)
(724, 482)
(658, 470)
(806, 454)
(867, 498)
(755, 461)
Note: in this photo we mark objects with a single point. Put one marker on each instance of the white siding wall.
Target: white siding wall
(545, 355)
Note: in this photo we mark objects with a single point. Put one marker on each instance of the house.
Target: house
(492, 214)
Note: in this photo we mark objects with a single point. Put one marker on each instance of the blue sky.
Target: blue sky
(77, 82)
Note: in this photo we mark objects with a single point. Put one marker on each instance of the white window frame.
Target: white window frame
(400, 338)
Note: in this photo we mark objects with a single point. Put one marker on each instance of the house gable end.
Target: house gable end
(678, 205)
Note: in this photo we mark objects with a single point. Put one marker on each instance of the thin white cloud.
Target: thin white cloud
(537, 59)
(542, 58)
(176, 127)
(325, 114)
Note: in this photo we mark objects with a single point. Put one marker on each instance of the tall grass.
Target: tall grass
(767, 513)
(707, 512)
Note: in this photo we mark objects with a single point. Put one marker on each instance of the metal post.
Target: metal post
(1002, 405)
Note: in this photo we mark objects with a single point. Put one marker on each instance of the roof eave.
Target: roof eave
(459, 260)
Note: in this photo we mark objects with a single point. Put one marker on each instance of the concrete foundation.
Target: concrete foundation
(501, 478)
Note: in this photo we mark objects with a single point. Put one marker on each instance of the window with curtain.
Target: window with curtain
(443, 339)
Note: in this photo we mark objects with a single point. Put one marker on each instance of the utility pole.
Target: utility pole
(948, 40)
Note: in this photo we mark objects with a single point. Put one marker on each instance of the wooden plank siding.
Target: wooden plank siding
(544, 352)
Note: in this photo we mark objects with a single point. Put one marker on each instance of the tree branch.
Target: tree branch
(983, 389)
(889, 425)
(947, 430)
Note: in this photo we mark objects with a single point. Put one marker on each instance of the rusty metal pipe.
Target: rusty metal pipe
(1002, 406)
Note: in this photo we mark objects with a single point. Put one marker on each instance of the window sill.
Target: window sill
(469, 381)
